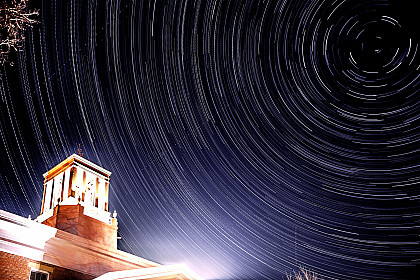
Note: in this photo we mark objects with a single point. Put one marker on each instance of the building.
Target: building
(75, 236)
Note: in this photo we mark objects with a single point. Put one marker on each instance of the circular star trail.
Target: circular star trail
(246, 139)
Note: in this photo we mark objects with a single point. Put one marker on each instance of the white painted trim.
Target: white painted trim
(23, 237)
(38, 242)
(47, 214)
(97, 213)
(84, 168)
(85, 161)
(178, 271)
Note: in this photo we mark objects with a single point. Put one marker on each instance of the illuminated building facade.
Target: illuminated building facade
(75, 236)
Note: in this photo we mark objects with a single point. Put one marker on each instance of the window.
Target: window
(38, 275)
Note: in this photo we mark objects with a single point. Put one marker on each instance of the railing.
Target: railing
(45, 215)
(97, 213)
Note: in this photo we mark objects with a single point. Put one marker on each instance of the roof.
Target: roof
(180, 272)
(78, 161)
(27, 238)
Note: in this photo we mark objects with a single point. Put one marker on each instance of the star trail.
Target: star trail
(246, 139)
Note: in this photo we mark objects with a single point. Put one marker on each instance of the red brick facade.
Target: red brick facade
(13, 267)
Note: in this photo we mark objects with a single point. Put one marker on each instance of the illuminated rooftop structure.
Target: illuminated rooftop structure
(77, 181)
(74, 237)
(76, 200)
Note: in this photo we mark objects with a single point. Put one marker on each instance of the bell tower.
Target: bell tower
(76, 200)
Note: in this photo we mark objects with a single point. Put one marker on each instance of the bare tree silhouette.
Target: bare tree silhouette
(303, 274)
(15, 18)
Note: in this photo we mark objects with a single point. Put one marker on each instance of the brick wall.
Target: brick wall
(13, 267)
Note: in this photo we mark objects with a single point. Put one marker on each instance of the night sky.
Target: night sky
(245, 138)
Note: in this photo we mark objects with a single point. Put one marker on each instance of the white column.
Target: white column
(78, 186)
(66, 183)
(47, 199)
(58, 183)
(106, 196)
(101, 194)
(43, 198)
(90, 188)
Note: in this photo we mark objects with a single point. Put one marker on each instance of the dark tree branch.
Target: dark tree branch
(14, 20)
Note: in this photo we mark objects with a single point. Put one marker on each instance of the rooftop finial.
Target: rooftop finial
(79, 151)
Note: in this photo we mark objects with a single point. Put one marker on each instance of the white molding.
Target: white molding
(97, 213)
(38, 242)
(47, 214)
(161, 272)
(84, 161)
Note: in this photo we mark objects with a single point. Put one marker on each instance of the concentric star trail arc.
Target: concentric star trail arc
(245, 138)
